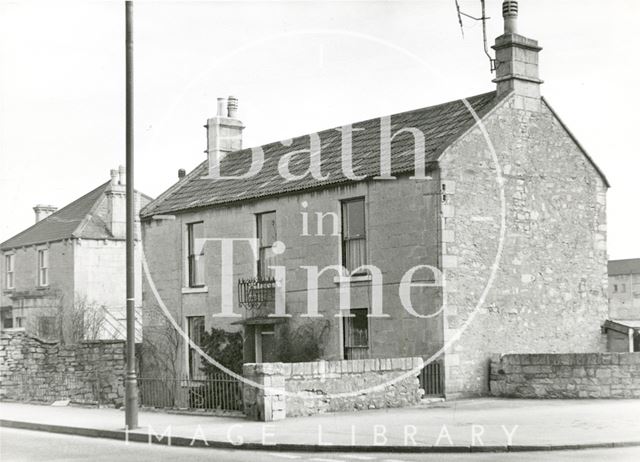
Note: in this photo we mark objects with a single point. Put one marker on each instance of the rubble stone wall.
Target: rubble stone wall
(586, 375)
(35, 370)
(301, 389)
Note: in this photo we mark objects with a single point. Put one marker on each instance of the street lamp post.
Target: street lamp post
(130, 381)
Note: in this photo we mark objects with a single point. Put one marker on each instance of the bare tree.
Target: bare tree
(160, 346)
(86, 319)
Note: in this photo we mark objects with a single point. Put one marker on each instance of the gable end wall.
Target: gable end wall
(550, 290)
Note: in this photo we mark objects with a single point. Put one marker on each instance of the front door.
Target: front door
(265, 344)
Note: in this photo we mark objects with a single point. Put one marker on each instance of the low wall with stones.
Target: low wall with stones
(300, 389)
(575, 375)
(35, 370)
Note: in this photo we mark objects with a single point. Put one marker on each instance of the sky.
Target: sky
(296, 67)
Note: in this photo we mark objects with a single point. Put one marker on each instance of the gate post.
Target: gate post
(265, 403)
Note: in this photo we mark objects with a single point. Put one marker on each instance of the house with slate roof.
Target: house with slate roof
(623, 325)
(69, 267)
(457, 231)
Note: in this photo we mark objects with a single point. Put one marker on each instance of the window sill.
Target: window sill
(42, 287)
(359, 278)
(195, 290)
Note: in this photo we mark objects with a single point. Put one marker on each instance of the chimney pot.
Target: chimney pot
(181, 173)
(510, 15)
(232, 107)
(221, 107)
(122, 180)
(114, 177)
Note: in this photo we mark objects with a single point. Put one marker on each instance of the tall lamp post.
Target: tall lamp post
(130, 381)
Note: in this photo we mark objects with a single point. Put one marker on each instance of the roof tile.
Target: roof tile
(440, 124)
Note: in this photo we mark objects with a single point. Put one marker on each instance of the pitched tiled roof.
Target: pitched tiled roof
(619, 267)
(440, 124)
(82, 218)
(61, 224)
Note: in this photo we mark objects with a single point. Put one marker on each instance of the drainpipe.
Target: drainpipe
(630, 336)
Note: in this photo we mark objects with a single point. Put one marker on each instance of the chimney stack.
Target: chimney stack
(43, 211)
(181, 173)
(116, 203)
(224, 131)
(517, 62)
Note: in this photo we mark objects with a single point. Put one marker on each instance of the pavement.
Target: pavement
(478, 425)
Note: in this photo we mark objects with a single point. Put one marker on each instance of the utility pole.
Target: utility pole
(130, 381)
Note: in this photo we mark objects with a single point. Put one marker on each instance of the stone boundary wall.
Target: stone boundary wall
(302, 389)
(574, 375)
(35, 370)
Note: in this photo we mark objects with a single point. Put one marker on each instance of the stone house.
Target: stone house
(64, 277)
(623, 325)
(500, 244)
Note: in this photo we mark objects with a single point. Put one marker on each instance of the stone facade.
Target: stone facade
(549, 290)
(28, 302)
(402, 231)
(591, 375)
(88, 372)
(302, 389)
(83, 274)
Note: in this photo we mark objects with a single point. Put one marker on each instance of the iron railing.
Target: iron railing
(432, 379)
(215, 392)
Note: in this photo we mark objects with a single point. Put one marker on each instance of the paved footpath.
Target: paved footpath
(457, 426)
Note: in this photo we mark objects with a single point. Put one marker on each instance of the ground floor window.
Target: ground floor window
(47, 327)
(6, 318)
(195, 330)
(356, 334)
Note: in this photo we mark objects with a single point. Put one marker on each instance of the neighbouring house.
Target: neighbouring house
(510, 212)
(64, 277)
(623, 325)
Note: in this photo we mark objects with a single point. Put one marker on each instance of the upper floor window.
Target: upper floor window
(195, 232)
(266, 226)
(43, 267)
(354, 238)
(9, 265)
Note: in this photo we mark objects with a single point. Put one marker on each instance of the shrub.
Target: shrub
(225, 347)
(302, 344)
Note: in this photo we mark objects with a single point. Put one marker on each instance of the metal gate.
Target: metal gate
(432, 379)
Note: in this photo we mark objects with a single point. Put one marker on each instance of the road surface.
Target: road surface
(28, 446)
